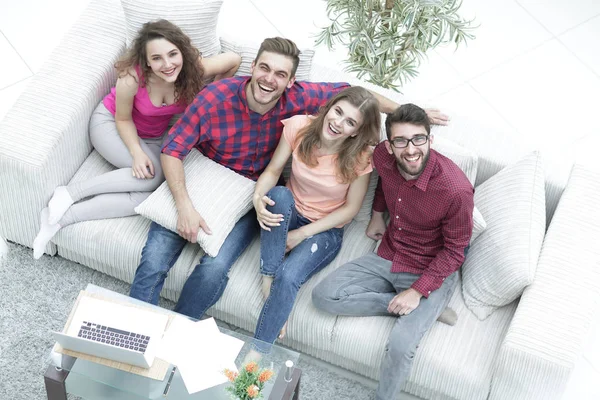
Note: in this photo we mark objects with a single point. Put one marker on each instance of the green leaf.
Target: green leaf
(387, 46)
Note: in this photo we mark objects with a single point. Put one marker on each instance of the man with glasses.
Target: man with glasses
(414, 272)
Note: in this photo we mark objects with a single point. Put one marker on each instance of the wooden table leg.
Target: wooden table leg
(287, 389)
(54, 379)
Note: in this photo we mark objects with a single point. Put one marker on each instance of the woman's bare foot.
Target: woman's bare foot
(283, 331)
(266, 285)
(252, 355)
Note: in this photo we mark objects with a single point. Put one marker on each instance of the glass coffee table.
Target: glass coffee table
(93, 381)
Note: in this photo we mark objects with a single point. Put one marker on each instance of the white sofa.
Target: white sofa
(525, 350)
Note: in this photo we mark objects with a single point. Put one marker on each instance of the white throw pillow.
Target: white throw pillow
(220, 195)
(248, 53)
(364, 213)
(479, 225)
(196, 18)
(466, 160)
(502, 262)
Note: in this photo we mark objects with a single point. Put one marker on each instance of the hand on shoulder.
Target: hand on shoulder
(437, 117)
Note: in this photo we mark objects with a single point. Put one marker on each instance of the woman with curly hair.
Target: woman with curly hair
(302, 222)
(157, 78)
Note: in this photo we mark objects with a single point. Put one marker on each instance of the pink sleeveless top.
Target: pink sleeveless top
(150, 121)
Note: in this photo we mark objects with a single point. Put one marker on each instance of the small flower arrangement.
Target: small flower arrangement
(249, 383)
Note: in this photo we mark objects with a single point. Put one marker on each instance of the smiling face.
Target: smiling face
(343, 120)
(165, 59)
(412, 159)
(271, 76)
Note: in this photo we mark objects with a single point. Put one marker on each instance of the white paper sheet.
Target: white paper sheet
(185, 335)
(200, 351)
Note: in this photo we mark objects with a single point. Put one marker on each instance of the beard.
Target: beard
(410, 170)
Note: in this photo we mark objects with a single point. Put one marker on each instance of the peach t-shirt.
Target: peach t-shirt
(316, 191)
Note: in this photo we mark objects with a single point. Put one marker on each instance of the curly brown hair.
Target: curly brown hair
(354, 154)
(191, 78)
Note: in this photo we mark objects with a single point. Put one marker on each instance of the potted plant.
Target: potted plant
(388, 39)
(249, 383)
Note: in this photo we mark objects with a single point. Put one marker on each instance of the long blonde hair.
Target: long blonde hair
(351, 156)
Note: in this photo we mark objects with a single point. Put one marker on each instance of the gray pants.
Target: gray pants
(116, 193)
(364, 287)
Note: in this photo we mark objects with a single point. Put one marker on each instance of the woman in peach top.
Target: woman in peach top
(331, 165)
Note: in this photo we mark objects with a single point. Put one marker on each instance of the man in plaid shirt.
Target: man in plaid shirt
(414, 272)
(237, 123)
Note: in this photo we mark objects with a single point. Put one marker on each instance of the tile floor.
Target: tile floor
(534, 70)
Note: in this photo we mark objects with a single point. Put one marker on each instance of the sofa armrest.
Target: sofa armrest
(44, 137)
(554, 315)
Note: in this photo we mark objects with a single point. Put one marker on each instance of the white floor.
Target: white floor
(534, 69)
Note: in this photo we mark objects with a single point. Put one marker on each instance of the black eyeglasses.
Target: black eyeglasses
(401, 143)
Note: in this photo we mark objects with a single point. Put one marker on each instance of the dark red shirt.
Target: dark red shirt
(220, 124)
(431, 218)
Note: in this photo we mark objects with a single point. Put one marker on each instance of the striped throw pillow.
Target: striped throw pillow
(196, 18)
(220, 195)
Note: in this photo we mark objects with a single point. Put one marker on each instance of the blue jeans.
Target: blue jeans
(306, 259)
(206, 284)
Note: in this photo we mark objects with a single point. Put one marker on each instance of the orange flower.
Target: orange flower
(231, 375)
(265, 375)
(251, 367)
(252, 391)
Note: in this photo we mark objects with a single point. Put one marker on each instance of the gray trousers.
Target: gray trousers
(364, 287)
(116, 193)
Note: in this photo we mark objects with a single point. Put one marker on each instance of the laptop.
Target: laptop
(117, 332)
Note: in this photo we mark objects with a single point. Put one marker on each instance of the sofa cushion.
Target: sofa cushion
(220, 195)
(450, 362)
(114, 246)
(197, 18)
(502, 262)
(479, 225)
(248, 53)
(466, 160)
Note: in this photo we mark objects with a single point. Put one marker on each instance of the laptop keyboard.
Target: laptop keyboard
(114, 337)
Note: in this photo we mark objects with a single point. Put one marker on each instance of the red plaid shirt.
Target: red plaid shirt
(220, 124)
(431, 218)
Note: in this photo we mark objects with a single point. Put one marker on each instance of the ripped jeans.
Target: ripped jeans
(306, 259)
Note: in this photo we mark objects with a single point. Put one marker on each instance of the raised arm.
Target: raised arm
(387, 106)
(221, 65)
(126, 88)
(268, 179)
